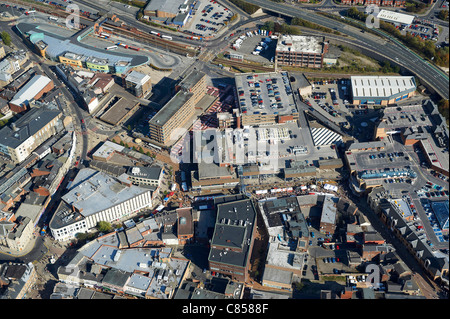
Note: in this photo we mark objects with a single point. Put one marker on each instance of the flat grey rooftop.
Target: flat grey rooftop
(171, 6)
(234, 226)
(266, 87)
(95, 191)
(170, 108)
(381, 86)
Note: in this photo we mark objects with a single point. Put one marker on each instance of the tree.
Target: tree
(81, 236)
(103, 226)
(443, 107)
(6, 38)
(443, 15)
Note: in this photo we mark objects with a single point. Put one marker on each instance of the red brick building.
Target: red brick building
(185, 226)
(33, 90)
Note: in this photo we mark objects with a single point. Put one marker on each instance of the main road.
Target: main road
(390, 50)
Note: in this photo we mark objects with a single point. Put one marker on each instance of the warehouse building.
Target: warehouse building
(382, 90)
(396, 18)
(96, 197)
(166, 9)
(33, 90)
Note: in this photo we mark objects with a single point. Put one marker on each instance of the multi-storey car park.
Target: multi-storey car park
(265, 98)
(235, 265)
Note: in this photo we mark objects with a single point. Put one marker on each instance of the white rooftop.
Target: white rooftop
(95, 191)
(300, 43)
(31, 89)
(381, 86)
(137, 77)
(107, 148)
(395, 17)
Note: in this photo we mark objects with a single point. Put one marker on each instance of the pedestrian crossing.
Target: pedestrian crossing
(324, 136)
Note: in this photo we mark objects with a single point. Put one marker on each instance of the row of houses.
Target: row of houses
(434, 265)
(26, 191)
(384, 3)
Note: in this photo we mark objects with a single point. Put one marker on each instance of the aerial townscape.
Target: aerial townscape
(236, 150)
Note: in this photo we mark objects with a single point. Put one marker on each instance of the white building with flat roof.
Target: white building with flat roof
(395, 17)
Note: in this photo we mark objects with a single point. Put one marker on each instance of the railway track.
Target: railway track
(244, 65)
(130, 32)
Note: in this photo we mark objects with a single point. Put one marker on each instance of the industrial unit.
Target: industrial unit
(382, 90)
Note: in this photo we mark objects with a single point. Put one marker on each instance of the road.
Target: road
(391, 50)
(417, 271)
(302, 108)
(72, 107)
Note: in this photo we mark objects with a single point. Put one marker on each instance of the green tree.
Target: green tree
(443, 15)
(81, 236)
(6, 38)
(443, 107)
(247, 7)
(103, 226)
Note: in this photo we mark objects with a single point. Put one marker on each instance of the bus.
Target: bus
(31, 11)
(167, 37)
(113, 47)
(155, 33)
(53, 18)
